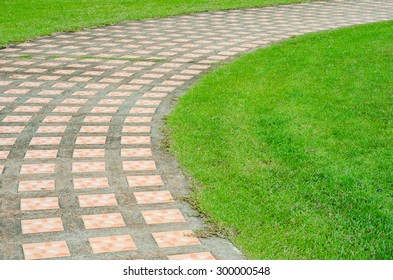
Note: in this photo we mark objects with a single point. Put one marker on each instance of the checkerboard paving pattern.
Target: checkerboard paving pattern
(103, 221)
(97, 119)
(11, 129)
(194, 256)
(45, 141)
(80, 156)
(133, 119)
(141, 110)
(153, 197)
(41, 154)
(57, 119)
(136, 129)
(45, 250)
(90, 140)
(36, 185)
(136, 152)
(88, 167)
(42, 225)
(163, 216)
(7, 141)
(139, 165)
(91, 183)
(175, 238)
(135, 140)
(112, 244)
(39, 203)
(51, 129)
(16, 119)
(94, 129)
(82, 153)
(37, 168)
(4, 154)
(145, 180)
(95, 200)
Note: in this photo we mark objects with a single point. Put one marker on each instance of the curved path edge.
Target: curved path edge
(82, 172)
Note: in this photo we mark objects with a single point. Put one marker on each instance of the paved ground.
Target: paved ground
(83, 175)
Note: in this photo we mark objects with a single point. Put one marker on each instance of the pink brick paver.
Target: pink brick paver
(95, 200)
(103, 221)
(90, 183)
(36, 185)
(163, 216)
(39, 203)
(112, 244)
(45, 250)
(42, 225)
(82, 172)
(175, 238)
(204, 256)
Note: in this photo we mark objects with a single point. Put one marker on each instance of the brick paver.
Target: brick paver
(82, 172)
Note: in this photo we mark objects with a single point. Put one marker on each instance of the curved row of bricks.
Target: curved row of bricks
(82, 173)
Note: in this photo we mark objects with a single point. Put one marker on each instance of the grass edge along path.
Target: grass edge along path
(26, 19)
(290, 147)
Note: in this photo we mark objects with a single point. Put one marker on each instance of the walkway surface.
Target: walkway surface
(83, 175)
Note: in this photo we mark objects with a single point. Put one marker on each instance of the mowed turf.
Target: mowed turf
(291, 150)
(25, 19)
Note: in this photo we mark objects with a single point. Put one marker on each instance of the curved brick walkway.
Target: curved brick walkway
(83, 175)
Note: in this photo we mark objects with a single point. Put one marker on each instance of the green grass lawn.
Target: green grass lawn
(25, 19)
(291, 147)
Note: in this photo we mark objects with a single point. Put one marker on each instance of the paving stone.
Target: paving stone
(193, 256)
(95, 200)
(91, 183)
(139, 165)
(39, 203)
(135, 140)
(45, 141)
(116, 243)
(175, 238)
(153, 197)
(7, 141)
(42, 225)
(36, 185)
(17, 119)
(94, 129)
(136, 152)
(138, 119)
(82, 153)
(4, 154)
(90, 140)
(163, 216)
(11, 129)
(41, 153)
(88, 166)
(37, 168)
(103, 221)
(51, 129)
(145, 180)
(45, 250)
(56, 119)
(136, 129)
(86, 131)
